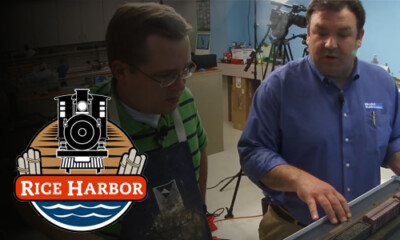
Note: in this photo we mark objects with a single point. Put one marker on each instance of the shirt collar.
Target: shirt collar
(354, 76)
(150, 119)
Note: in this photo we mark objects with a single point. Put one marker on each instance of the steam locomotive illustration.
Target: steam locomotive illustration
(82, 130)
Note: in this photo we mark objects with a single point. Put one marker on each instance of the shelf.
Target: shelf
(85, 74)
(51, 55)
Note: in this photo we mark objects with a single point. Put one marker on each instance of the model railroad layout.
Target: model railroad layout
(372, 221)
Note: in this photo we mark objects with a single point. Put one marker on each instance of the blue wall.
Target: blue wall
(228, 24)
(233, 20)
(382, 33)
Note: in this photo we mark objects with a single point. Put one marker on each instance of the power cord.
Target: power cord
(217, 212)
(234, 218)
(220, 182)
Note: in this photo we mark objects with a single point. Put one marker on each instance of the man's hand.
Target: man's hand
(311, 190)
(315, 192)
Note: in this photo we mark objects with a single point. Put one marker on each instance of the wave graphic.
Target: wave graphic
(65, 207)
(82, 216)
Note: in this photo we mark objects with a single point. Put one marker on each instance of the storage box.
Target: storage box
(242, 91)
(241, 53)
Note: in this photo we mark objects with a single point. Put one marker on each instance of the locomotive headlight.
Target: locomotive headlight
(82, 106)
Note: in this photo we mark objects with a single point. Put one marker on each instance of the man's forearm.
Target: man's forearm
(283, 178)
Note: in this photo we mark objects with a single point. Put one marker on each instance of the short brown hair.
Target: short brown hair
(355, 6)
(132, 23)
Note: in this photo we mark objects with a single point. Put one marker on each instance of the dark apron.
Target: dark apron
(172, 208)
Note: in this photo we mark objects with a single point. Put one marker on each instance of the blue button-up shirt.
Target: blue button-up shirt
(341, 136)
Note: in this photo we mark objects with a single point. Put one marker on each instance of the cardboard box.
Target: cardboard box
(241, 53)
(242, 92)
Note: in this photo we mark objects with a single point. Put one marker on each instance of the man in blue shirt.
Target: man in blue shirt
(320, 127)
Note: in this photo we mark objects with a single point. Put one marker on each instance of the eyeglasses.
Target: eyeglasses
(169, 79)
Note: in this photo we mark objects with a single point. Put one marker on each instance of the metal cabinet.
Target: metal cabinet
(207, 91)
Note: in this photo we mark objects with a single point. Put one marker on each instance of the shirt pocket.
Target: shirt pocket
(378, 127)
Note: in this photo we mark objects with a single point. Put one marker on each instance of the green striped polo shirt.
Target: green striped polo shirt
(146, 139)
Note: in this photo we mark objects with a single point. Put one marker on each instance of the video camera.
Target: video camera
(282, 20)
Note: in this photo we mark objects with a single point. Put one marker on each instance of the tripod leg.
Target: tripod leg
(228, 183)
(237, 175)
(290, 52)
(277, 50)
(271, 53)
(285, 54)
(230, 209)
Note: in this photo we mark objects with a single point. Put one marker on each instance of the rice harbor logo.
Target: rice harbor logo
(81, 172)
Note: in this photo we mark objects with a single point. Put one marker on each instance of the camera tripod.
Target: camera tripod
(239, 177)
(280, 53)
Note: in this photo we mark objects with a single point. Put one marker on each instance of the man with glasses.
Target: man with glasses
(150, 58)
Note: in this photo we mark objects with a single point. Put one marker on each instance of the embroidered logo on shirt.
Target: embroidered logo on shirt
(373, 106)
